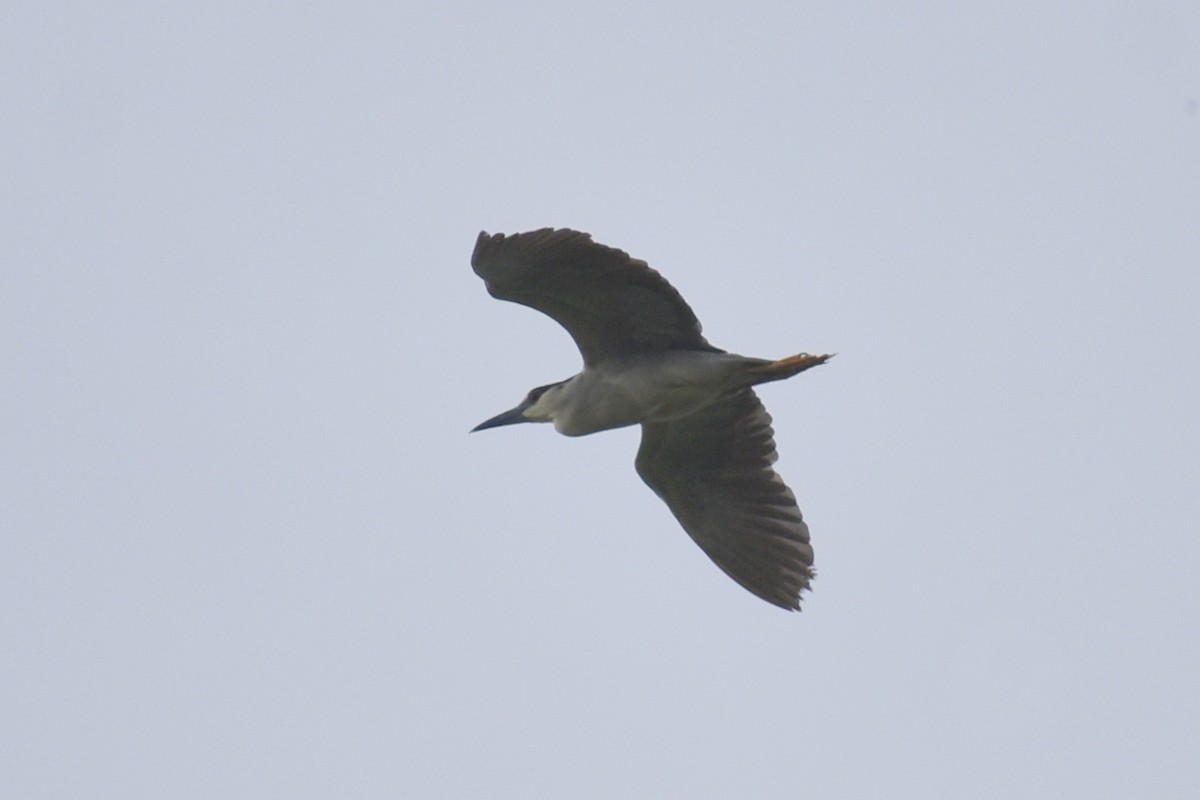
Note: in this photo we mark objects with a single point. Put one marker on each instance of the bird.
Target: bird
(707, 445)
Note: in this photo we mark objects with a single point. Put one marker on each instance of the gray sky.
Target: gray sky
(250, 551)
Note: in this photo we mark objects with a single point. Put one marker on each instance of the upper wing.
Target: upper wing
(611, 304)
(713, 470)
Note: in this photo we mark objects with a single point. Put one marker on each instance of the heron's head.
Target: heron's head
(538, 406)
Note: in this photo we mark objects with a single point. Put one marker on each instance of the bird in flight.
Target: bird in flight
(707, 444)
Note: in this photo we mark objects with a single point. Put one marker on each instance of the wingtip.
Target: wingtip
(789, 604)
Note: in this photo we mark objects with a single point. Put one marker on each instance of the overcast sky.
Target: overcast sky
(249, 550)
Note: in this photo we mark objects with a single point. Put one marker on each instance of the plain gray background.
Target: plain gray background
(249, 549)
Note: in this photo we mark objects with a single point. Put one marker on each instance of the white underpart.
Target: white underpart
(651, 388)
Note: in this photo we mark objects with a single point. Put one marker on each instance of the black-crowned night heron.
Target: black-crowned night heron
(707, 445)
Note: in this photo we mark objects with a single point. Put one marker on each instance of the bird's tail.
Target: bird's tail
(787, 367)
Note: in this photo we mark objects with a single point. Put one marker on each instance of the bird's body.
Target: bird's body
(707, 444)
(649, 387)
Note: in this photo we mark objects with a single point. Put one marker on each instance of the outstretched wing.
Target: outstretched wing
(713, 470)
(611, 304)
